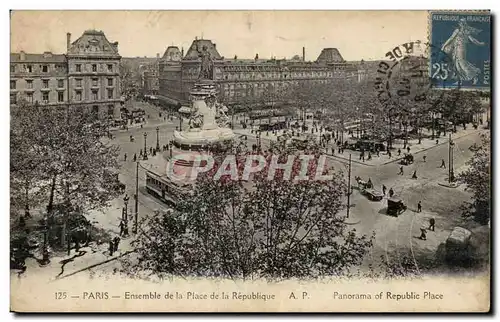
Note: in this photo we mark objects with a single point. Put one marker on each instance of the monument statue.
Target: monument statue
(207, 65)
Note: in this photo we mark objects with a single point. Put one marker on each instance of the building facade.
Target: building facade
(243, 80)
(87, 75)
(38, 78)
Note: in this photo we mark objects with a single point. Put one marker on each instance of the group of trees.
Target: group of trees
(58, 167)
(257, 228)
(478, 180)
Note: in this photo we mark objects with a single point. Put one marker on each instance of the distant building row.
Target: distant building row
(87, 75)
(243, 80)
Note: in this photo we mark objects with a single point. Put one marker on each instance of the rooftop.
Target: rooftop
(46, 57)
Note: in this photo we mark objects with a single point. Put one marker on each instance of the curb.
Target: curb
(92, 266)
(345, 160)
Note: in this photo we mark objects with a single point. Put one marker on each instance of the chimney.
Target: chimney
(157, 55)
(215, 46)
(303, 53)
(22, 55)
(68, 41)
(182, 52)
(256, 56)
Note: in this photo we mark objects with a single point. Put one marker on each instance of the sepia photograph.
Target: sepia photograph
(250, 161)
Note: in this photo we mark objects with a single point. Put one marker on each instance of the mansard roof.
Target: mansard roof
(330, 55)
(197, 47)
(93, 43)
(46, 57)
(172, 54)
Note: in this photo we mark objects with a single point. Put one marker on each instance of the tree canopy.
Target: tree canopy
(258, 228)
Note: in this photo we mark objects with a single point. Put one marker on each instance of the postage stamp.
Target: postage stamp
(465, 38)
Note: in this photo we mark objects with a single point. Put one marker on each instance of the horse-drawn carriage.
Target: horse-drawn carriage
(366, 188)
(407, 160)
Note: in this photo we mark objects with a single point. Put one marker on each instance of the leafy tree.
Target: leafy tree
(478, 180)
(60, 151)
(258, 228)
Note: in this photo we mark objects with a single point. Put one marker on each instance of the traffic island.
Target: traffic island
(448, 184)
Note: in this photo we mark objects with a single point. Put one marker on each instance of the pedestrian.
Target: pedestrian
(419, 206)
(151, 150)
(125, 157)
(443, 164)
(111, 248)
(140, 153)
(135, 157)
(22, 221)
(437, 141)
(378, 153)
(384, 189)
(389, 153)
(422, 233)
(141, 126)
(432, 222)
(391, 193)
(122, 228)
(116, 242)
(414, 176)
(399, 152)
(408, 149)
(400, 170)
(369, 184)
(340, 150)
(369, 156)
(425, 157)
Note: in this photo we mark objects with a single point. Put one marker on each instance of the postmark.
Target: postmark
(465, 38)
(404, 79)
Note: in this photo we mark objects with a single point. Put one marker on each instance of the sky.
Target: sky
(358, 35)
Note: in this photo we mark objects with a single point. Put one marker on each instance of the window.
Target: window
(29, 83)
(110, 93)
(95, 82)
(12, 68)
(78, 82)
(29, 97)
(13, 98)
(95, 95)
(29, 68)
(110, 68)
(111, 110)
(94, 67)
(110, 82)
(45, 68)
(60, 83)
(45, 97)
(45, 83)
(78, 95)
(12, 84)
(60, 96)
(78, 67)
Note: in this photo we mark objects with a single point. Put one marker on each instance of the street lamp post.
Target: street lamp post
(125, 216)
(157, 139)
(136, 198)
(145, 147)
(451, 176)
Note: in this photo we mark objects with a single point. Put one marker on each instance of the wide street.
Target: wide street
(395, 236)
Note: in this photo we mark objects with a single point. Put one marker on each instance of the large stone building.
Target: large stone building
(243, 79)
(87, 76)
